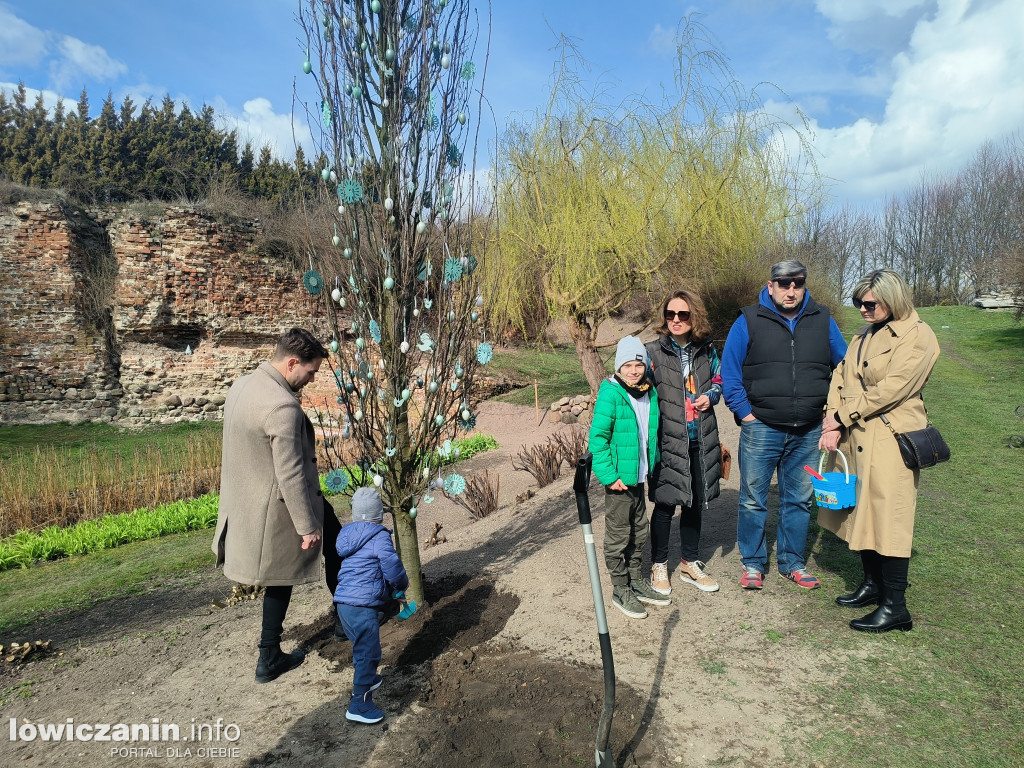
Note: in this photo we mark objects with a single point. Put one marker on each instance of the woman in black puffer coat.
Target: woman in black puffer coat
(685, 368)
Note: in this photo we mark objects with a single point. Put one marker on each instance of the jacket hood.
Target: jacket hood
(355, 536)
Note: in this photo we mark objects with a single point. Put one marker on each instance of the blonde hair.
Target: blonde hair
(889, 289)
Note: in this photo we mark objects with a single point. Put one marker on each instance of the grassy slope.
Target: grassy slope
(556, 369)
(948, 693)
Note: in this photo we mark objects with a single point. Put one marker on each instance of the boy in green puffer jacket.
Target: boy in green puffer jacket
(624, 442)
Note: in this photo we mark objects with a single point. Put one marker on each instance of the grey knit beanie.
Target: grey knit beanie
(367, 506)
(630, 349)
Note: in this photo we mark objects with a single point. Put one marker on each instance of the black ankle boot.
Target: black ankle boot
(890, 614)
(274, 662)
(868, 593)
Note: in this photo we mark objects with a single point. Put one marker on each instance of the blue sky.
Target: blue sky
(894, 89)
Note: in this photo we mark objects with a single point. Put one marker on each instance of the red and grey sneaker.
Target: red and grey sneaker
(752, 578)
(802, 578)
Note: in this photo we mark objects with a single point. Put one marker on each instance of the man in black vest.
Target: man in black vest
(776, 366)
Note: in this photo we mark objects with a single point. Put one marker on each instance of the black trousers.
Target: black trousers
(277, 598)
(890, 572)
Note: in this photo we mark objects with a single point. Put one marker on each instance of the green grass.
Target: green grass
(556, 368)
(18, 439)
(78, 582)
(949, 692)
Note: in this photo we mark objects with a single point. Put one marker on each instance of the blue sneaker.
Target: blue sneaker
(361, 709)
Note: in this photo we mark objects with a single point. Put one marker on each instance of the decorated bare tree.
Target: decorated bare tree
(390, 250)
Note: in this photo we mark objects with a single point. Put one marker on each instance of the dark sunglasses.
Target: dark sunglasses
(868, 305)
(790, 282)
(684, 315)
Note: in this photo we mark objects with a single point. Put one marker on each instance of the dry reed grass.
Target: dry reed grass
(61, 486)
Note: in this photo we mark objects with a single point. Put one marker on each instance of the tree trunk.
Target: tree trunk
(585, 337)
(408, 546)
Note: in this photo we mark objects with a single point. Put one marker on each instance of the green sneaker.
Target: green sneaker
(625, 600)
(645, 593)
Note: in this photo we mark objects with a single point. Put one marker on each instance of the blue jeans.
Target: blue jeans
(362, 625)
(765, 449)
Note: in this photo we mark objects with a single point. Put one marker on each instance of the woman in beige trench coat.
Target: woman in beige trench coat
(886, 366)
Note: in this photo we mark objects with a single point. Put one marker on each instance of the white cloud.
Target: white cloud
(50, 98)
(20, 42)
(259, 124)
(80, 61)
(958, 83)
(662, 41)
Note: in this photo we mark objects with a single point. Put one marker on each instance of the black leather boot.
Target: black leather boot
(274, 662)
(890, 614)
(868, 593)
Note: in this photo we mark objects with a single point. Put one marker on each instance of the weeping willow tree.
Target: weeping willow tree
(596, 200)
(389, 246)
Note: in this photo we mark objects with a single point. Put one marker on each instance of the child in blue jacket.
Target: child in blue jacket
(370, 572)
(624, 442)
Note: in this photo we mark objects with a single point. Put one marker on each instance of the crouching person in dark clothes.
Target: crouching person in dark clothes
(371, 572)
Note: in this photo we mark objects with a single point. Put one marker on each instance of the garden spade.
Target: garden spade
(581, 483)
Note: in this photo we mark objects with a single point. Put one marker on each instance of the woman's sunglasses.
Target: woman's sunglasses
(868, 305)
(684, 315)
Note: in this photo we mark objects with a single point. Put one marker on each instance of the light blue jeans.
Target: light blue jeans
(765, 449)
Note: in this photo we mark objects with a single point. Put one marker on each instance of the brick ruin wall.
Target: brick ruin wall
(97, 312)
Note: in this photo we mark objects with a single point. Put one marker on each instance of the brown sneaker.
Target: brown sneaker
(694, 573)
(659, 579)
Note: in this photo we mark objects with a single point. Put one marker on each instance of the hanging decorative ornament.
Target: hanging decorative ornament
(346, 432)
(484, 353)
(390, 452)
(336, 240)
(334, 179)
(452, 269)
(471, 263)
(341, 302)
(388, 203)
(419, 381)
(360, 343)
(350, 191)
(336, 480)
(474, 316)
(451, 317)
(389, 55)
(454, 484)
(445, 449)
(455, 385)
(468, 71)
(454, 155)
(479, 301)
(378, 480)
(425, 270)
(426, 343)
(427, 498)
(375, 334)
(468, 424)
(413, 512)
(357, 92)
(313, 281)
(325, 174)
(433, 387)
(358, 415)
(389, 283)
(446, 61)
(334, 345)
(325, 112)
(459, 372)
(336, 294)
(307, 65)
(403, 347)
(347, 253)
(428, 303)
(439, 419)
(375, 6)
(421, 227)
(461, 117)
(406, 394)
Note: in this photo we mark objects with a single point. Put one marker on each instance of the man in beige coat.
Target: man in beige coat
(273, 519)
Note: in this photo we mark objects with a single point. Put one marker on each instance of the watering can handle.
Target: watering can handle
(821, 463)
(580, 484)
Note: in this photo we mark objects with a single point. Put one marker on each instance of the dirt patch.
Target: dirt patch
(722, 678)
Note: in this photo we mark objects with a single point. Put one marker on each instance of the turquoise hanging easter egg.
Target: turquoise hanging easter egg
(375, 6)
(357, 92)
(405, 394)
(347, 253)
(474, 316)
(459, 373)
(433, 386)
(360, 343)
(389, 55)
(389, 283)
(325, 174)
(439, 419)
(421, 227)
(455, 385)
(334, 345)
(446, 61)
(462, 118)
(358, 415)
(336, 240)
(307, 67)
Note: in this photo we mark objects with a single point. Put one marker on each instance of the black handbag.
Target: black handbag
(921, 448)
